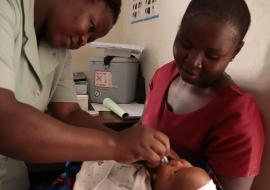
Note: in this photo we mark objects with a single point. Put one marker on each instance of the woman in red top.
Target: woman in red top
(192, 100)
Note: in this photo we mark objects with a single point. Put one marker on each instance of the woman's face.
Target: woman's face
(73, 23)
(203, 47)
(168, 173)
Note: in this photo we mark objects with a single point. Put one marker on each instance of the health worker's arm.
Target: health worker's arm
(72, 113)
(30, 135)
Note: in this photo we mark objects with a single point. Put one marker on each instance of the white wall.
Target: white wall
(250, 69)
(155, 35)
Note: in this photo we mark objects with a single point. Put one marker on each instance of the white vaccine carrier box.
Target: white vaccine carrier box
(116, 80)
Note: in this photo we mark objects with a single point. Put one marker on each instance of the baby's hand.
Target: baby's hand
(173, 155)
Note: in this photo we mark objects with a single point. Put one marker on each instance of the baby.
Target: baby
(181, 175)
(110, 175)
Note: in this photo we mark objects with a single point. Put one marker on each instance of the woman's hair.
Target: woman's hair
(234, 12)
(115, 6)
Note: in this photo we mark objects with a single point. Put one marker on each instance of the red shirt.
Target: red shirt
(228, 132)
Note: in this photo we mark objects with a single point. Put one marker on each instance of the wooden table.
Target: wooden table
(113, 121)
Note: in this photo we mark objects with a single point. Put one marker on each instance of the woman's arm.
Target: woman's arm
(236, 183)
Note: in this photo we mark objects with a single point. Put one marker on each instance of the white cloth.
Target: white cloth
(209, 186)
(104, 175)
(110, 175)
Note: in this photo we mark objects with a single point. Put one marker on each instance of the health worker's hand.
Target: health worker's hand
(140, 143)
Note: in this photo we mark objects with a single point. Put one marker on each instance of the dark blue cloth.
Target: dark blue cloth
(66, 180)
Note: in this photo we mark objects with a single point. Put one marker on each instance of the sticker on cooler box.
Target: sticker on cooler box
(104, 79)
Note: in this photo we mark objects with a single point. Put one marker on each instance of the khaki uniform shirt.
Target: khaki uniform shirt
(36, 73)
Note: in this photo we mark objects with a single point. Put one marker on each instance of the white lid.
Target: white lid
(117, 46)
(115, 60)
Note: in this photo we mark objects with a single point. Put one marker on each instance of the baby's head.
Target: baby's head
(180, 175)
(209, 37)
